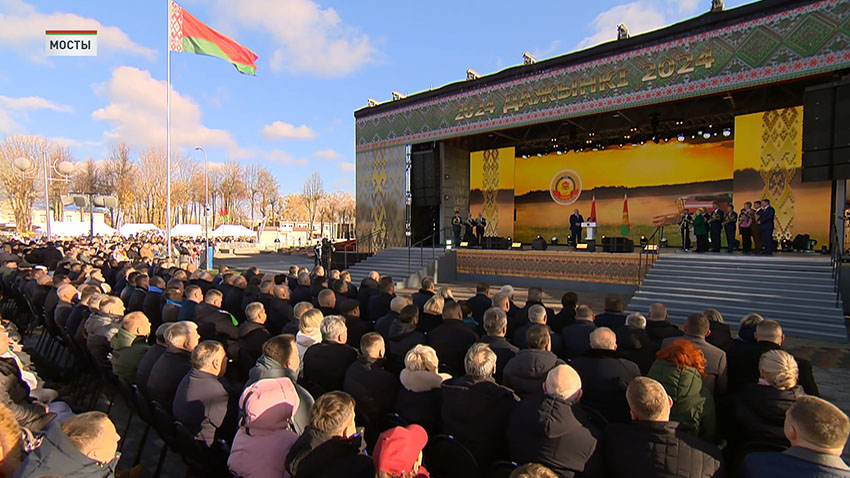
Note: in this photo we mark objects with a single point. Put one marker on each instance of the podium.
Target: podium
(591, 230)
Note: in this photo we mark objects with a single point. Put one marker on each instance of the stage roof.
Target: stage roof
(765, 43)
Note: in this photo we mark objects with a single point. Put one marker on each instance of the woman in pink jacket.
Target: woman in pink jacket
(264, 437)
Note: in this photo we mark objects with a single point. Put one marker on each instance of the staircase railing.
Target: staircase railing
(434, 239)
(372, 243)
(649, 255)
(837, 257)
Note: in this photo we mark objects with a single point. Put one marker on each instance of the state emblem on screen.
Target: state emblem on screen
(565, 187)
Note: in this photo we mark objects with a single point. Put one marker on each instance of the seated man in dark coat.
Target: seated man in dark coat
(658, 327)
(325, 363)
(379, 304)
(154, 300)
(496, 326)
(605, 376)
(537, 315)
(330, 447)
(426, 291)
(137, 298)
(576, 336)
(374, 389)
(214, 323)
(66, 293)
(201, 402)
(174, 364)
(354, 323)
(194, 296)
(633, 343)
(403, 336)
(535, 297)
(382, 325)
(301, 292)
(745, 360)
(480, 302)
(567, 315)
(172, 306)
(278, 309)
(153, 354)
(652, 446)
(818, 432)
(525, 373)
(232, 301)
(368, 288)
(252, 336)
(716, 375)
(475, 409)
(552, 429)
(452, 339)
(613, 316)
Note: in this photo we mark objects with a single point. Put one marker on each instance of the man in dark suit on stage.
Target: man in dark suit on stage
(575, 226)
(756, 228)
(716, 226)
(730, 223)
(765, 220)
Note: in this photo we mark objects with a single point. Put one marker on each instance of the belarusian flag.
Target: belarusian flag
(625, 227)
(188, 34)
(592, 217)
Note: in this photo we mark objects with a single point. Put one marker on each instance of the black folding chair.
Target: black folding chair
(445, 457)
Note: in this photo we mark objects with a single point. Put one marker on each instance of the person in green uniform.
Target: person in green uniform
(701, 230)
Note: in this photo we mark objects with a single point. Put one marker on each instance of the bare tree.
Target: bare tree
(311, 193)
(251, 175)
(21, 188)
(269, 192)
(120, 175)
(232, 187)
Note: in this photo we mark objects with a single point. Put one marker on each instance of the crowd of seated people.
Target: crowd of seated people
(306, 374)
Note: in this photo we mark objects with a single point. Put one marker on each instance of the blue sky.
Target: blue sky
(318, 62)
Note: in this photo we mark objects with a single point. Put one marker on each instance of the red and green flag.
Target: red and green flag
(592, 217)
(187, 34)
(625, 227)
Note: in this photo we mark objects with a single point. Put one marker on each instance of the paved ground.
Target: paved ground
(267, 262)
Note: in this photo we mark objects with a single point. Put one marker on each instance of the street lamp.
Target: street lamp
(206, 210)
(61, 167)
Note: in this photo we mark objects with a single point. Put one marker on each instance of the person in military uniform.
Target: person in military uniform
(480, 226)
(730, 222)
(457, 222)
(715, 225)
(685, 226)
(701, 230)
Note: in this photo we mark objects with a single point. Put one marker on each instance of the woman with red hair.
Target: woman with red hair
(680, 368)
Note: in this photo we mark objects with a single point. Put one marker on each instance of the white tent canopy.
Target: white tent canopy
(132, 229)
(232, 230)
(75, 229)
(187, 230)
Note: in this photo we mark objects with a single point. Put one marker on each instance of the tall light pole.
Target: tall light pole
(63, 169)
(206, 209)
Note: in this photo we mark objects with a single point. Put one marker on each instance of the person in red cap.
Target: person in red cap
(398, 453)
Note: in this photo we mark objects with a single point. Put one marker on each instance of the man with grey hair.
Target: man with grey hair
(201, 401)
(475, 409)
(552, 428)
(496, 326)
(605, 376)
(634, 344)
(301, 292)
(382, 326)
(537, 315)
(658, 327)
(535, 297)
(325, 363)
(513, 310)
(182, 338)
(252, 335)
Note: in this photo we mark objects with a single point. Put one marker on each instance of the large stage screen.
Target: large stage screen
(661, 180)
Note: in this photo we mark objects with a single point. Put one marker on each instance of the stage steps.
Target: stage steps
(798, 291)
(394, 262)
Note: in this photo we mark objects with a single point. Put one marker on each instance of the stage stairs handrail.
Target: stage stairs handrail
(837, 257)
(647, 258)
(375, 242)
(434, 238)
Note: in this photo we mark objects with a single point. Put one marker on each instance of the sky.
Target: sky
(318, 62)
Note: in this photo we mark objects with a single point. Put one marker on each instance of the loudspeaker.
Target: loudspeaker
(424, 175)
(826, 132)
(495, 243)
(617, 244)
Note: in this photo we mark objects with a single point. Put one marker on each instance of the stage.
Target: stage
(613, 272)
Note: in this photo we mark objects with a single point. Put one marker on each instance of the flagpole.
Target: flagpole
(168, 129)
